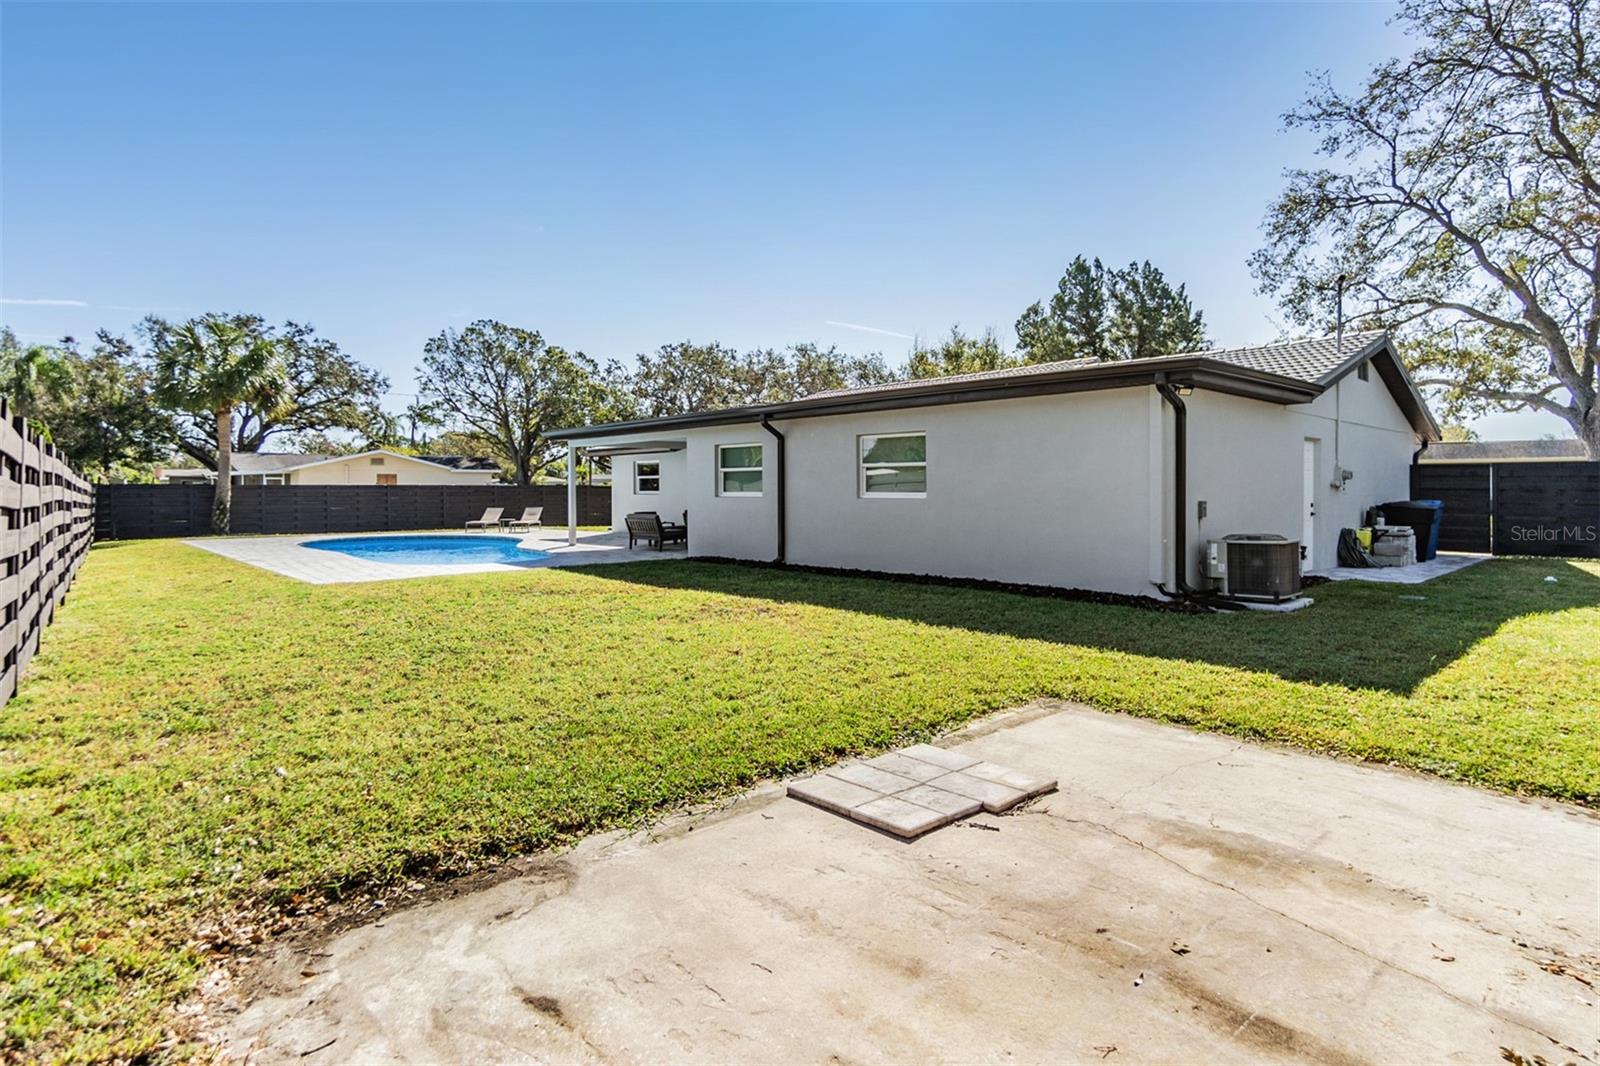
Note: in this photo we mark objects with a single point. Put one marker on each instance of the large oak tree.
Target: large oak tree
(508, 388)
(1461, 203)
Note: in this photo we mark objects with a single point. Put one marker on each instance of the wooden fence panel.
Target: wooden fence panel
(1515, 508)
(1547, 509)
(46, 524)
(1464, 526)
(131, 512)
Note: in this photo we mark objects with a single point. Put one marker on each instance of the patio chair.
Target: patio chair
(648, 527)
(529, 520)
(490, 519)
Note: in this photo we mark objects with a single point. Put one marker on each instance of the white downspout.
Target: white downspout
(572, 494)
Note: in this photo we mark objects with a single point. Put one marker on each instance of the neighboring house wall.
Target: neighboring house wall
(670, 502)
(360, 470)
(1246, 461)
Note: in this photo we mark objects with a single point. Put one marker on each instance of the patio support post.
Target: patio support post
(572, 494)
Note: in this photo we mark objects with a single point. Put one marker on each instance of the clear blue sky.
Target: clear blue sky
(619, 177)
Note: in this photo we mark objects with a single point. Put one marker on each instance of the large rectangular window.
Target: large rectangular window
(894, 465)
(646, 478)
(738, 470)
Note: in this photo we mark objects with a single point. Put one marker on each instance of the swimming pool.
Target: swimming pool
(440, 550)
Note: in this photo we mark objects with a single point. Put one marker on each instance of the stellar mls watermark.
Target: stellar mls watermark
(1554, 534)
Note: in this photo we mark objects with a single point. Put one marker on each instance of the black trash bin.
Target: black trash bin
(1423, 518)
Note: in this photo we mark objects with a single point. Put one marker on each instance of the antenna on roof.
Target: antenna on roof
(1338, 315)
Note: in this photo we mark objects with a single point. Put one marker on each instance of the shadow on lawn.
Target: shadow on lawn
(1357, 635)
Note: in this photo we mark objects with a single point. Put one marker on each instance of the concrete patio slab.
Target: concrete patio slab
(1186, 898)
(286, 556)
(1415, 574)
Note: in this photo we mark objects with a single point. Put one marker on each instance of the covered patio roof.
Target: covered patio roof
(637, 447)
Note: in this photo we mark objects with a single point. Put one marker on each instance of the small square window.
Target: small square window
(894, 465)
(1361, 371)
(738, 470)
(646, 478)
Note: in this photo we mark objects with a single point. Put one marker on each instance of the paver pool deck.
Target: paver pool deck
(1183, 897)
(287, 556)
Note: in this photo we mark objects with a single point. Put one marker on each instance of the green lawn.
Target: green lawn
(200, 738)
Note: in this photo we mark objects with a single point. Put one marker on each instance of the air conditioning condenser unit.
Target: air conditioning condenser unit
(1255, 566)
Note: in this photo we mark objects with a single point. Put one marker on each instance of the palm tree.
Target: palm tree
(33, 379)
(211, 365)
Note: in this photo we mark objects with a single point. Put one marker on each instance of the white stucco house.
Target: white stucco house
(1105, 476)
(375, 467)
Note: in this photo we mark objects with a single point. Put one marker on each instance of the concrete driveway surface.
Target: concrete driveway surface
(1184, 897)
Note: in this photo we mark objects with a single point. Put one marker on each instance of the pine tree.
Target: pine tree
(1103, 314)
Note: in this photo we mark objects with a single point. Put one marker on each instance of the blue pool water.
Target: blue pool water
(431, 550)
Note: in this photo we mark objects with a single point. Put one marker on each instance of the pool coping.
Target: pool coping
(288, 556)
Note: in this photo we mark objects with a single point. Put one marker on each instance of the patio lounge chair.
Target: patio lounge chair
(648, 527)
(490, 519)
(529, 520)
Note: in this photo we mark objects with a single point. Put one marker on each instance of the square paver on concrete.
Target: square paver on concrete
(900, 817)
(994, 796)
(918, 789)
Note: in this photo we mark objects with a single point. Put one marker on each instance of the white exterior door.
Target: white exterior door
(1308, 505)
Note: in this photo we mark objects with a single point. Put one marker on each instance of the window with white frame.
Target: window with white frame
(646, 478)
(738, 470)
(894, 465)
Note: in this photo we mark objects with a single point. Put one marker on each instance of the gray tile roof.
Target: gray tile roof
(1289, 372)
(271, 462)
(955, 379)
(461, 462)
(1314, 360)
(1503, 451)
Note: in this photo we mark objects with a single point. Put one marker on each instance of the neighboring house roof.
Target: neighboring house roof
(1505, 451)
(281, 462)
(1288, 373)
(270, 462)
(461, 462)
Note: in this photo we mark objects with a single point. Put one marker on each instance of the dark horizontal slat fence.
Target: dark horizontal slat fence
(1464, 525)
(131, 512)
(1515, 508)
(48, 510)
